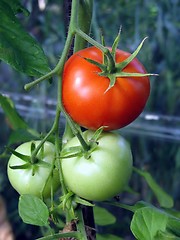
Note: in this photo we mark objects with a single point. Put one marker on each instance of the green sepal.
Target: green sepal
(97, 134)
(125, 74)
(33, 146)
(111, 69)
(23, 166)
(66, 200)
(72, 152)
(115, 44)
(23, 157)
(84, 202)
(43, 163)
(99, 65)
(122, 65)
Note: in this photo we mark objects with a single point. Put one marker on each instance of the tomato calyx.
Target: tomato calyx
(111, 69)
(28, 163)
(78, 151)
(71, 199)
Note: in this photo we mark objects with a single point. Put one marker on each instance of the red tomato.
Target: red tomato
(85, 97)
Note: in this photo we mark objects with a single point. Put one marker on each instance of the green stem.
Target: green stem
(81, 225)
(84, 18)
(49, 75)
(105, 50)
(52, 131)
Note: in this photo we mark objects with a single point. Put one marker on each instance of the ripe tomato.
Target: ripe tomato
(102, 175)
(85, 97)
(23, 180)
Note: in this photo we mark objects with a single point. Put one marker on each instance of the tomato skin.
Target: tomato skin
(84, 93)
(23, 181)
(105, 174)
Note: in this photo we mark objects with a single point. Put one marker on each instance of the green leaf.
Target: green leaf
(12, 115)
(23, 135)
(33, 210)
(17, 7)
(107, 237)
(67, 235)
(173, 225)
(149, 223)
(164, 199)
(17, 47)
(165, 236)
(146, 222)
(103, 217)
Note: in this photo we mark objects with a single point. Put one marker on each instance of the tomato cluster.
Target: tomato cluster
(91, 101)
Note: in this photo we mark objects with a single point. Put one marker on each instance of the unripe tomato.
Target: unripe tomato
(25, 181)
(104, 173)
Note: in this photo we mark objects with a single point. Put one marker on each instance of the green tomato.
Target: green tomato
(105, 173)
(32, 180)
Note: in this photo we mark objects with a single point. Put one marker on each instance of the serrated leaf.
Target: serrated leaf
(103, 217)
(33, 210)
(15, 120)
(164, 199)
(17, 47)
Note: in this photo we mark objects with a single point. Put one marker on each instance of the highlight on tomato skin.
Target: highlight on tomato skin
(105, 173)
(85, 96)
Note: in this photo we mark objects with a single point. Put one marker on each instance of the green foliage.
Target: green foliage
(17, 47)
(164, 199)
(150, 223)
(33, 210)
(103, 217)
(158, 20)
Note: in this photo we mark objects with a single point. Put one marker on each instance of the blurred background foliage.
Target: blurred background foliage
(154, 136)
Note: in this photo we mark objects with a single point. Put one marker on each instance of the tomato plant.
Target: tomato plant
(103, 172)
(30, 178)
(98, 87)
(86, 98)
